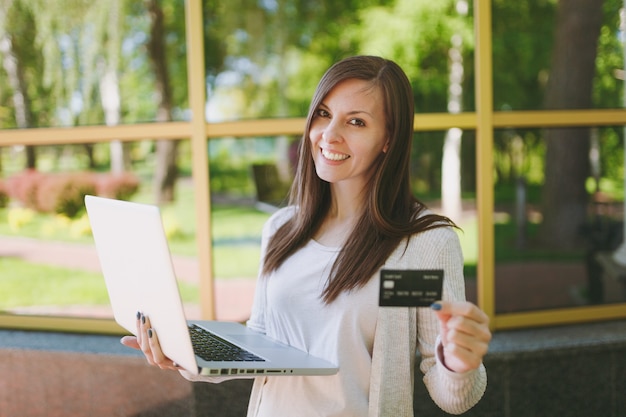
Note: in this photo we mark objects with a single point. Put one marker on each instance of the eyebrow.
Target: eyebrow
(352, 112)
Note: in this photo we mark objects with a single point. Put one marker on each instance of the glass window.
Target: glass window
(265, 58)
(559, 218)
(93, 63)
(558, 214)
(443, 174)
(568, 60)
(249, 179)
(47, 256)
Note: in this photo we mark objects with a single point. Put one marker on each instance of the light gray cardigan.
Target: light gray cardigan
(401, 331)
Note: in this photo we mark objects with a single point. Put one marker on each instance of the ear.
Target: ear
(386, 146)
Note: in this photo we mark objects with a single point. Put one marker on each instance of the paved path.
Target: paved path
(520, 286)
(233, 297)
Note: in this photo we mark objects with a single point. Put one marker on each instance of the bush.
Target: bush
(230, 177)
(64, 193)
(23, 187)
(4, 195)
(118, 186)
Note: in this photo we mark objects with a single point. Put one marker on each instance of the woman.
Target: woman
(351, 214)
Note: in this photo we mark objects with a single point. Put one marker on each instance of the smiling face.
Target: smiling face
(347, 133)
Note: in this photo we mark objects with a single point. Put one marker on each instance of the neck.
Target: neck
(345, 210)
(345, 203)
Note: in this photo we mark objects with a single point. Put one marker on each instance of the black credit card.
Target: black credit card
(410, 288)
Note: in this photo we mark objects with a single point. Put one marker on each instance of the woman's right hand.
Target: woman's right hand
(147, 341)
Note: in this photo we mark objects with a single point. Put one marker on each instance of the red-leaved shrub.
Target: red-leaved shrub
(64, 193)
(4, 195)
(23, 187)
(119, 186)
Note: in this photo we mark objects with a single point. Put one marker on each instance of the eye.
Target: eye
(322, 113)
(357, 122)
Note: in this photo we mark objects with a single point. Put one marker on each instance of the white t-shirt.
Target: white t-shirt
(341, 332)
(374, 347)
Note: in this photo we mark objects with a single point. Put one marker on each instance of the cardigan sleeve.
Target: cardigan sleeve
(401, 331)
(453, 392)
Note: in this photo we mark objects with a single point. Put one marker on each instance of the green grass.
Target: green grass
(24, 284)
(236, 230)
(236, 262)
(236, 238)
(236, 251)
(27, 284)
(236, 223)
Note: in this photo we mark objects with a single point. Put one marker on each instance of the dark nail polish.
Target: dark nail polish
(143, 319)
(435, 306)
(138, 315)
(150, 333)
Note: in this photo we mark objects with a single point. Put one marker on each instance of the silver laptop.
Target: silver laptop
(139, 275)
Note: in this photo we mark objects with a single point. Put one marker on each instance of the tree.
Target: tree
(521, 62)
(59, 52)
(429, 40)
(564, 197)
(451, 202)
(166, 169)
(109, 86)
(16, 46)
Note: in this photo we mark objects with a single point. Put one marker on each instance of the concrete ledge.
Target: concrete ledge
(54, 383)
(566, 371)
(64, 342)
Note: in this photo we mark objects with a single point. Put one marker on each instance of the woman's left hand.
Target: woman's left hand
(147, 341)
(465, 334)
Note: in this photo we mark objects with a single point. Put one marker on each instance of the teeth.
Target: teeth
(334, 156)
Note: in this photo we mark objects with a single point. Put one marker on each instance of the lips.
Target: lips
(333, 156)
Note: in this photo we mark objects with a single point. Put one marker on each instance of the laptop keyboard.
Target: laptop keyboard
(211, 347)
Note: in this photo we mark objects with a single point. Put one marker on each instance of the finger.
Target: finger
(130, 341)
(459, 359)
(447, 309)
(144, 340)
(466, 342)
(158, 356)
(479, 331)
(138, 324)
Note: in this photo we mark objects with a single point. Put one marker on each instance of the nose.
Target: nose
(331, 133)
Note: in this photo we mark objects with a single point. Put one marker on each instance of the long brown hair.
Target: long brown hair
(391, 212)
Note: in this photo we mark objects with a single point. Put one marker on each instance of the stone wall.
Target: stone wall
(567, 371)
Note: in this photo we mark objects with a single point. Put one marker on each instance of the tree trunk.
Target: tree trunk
(110, 89)
(166, 170)
(89, 148)
(570, 84)
(451, 201)
(110, 98)
(21, 101)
